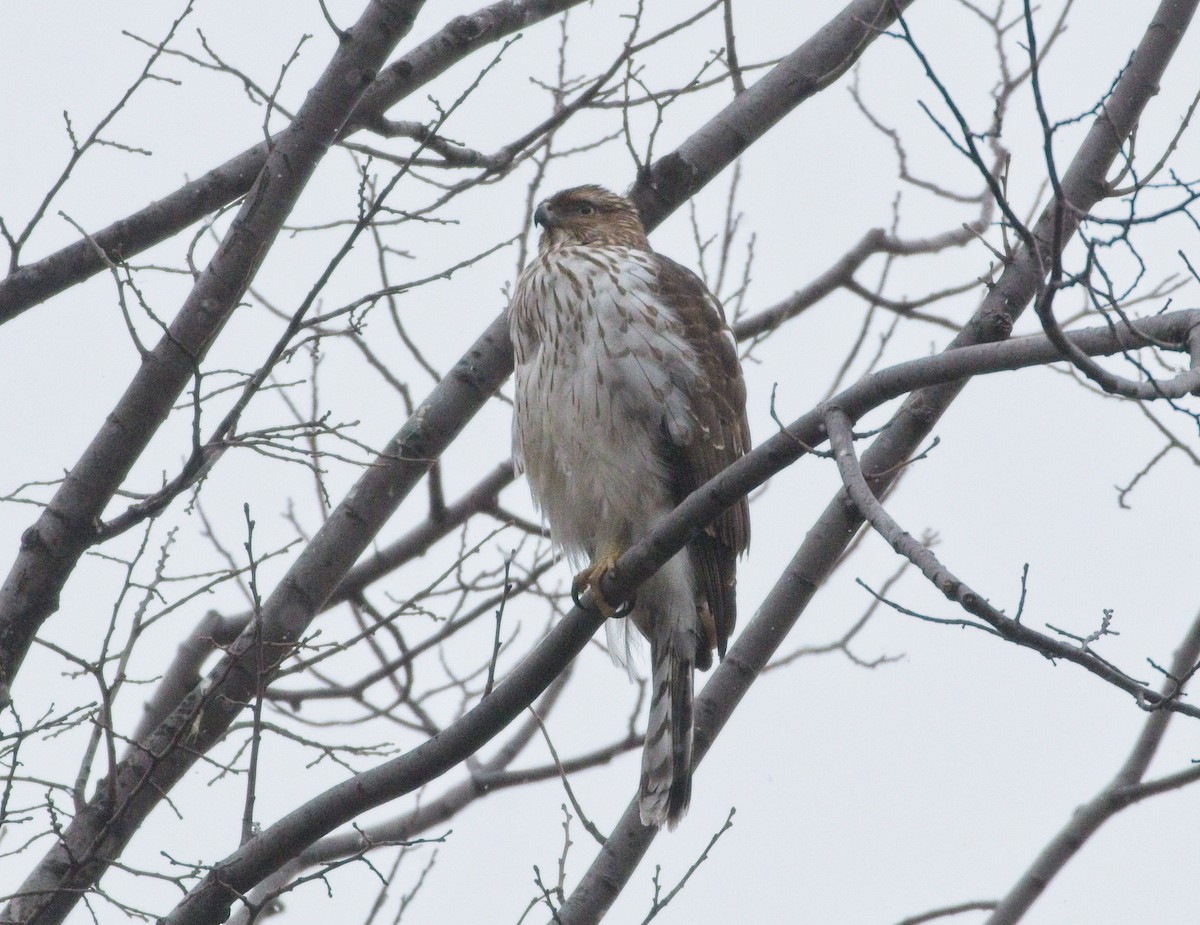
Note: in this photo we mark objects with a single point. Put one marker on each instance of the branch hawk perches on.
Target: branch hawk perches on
(628, 397)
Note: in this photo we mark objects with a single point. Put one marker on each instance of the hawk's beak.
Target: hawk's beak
(542, 216)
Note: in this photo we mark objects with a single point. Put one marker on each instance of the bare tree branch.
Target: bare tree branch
(813, 66)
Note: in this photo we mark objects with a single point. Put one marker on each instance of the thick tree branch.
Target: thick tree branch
(493, 776)
(816, 64)
(415, 542)
(210, 901)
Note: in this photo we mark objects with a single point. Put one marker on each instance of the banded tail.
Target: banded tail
(666, 782)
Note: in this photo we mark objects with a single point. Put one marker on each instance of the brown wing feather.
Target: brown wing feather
(718, 402)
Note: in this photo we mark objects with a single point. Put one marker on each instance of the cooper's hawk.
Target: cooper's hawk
(628, 397)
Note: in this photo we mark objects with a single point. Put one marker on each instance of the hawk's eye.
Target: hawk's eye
(585, 208)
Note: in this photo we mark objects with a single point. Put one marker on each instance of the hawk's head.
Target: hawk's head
(589, 215)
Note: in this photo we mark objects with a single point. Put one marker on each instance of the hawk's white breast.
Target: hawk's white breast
(603, 376)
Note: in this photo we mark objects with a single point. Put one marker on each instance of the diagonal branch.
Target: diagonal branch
(1011, 629)
(812, 67)
(841, 273)
(492, 776)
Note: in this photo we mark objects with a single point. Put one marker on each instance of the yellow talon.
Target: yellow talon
(589, 580)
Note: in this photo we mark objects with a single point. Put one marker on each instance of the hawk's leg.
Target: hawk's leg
(589, 580)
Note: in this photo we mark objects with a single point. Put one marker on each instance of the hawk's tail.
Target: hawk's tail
(666, 783)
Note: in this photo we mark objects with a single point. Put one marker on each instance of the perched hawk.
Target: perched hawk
(628, 397)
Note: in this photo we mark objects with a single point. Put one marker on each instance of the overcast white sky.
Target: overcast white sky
(862, 796)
